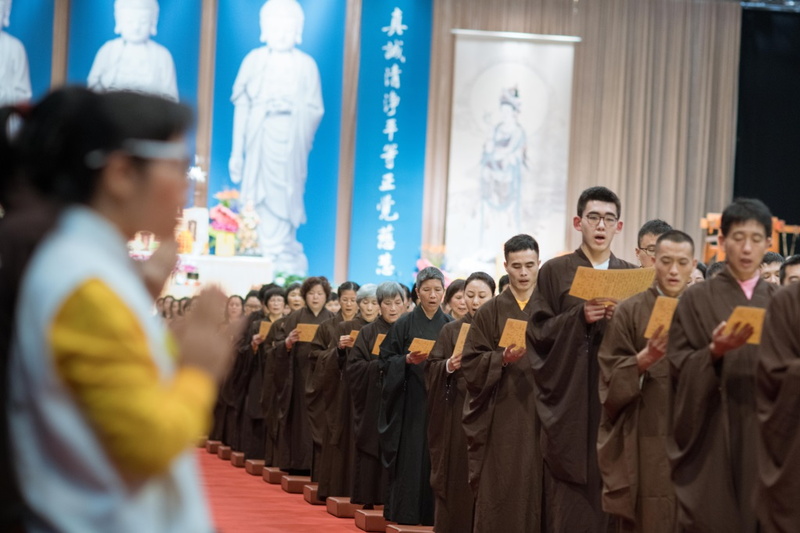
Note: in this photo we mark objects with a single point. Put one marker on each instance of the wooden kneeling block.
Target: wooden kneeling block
(212, 446)
(237, 459)
(254, 467)
(310, 494)
(341, 507)
(371, 520)
(397, 528)
(294, 484)
(224, 453)
(272, 475)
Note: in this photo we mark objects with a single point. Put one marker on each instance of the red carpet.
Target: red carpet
(241, 503)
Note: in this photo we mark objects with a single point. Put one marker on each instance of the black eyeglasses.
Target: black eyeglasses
(594, 219)
(650, 250)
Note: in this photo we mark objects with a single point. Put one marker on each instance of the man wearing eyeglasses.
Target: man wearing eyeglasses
(648, 235)
(565, 334)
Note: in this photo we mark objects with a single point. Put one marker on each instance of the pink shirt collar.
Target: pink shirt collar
(748, 286)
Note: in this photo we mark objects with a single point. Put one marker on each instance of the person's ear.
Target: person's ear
(576, 223)
(118, 178)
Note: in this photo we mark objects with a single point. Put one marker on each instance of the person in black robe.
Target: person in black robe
(364, 380)
(338, 447)
(446, 392)
(325, 342)
(403, 423)
(295, 445)
(566, 333)
(778, 398)
(713, 429)
(499, 416)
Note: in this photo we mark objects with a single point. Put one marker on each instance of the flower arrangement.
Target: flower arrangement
(284, 280)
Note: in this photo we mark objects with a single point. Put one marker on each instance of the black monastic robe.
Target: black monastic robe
(336, 465)
(631, 442)
(403, 420)
(501, 424)
(323, 343)
(566, 371)
(251, 422)
(370, 482)
(295, 445)
(269, 401)
(778, 401)
(714, 431)
(446, 439)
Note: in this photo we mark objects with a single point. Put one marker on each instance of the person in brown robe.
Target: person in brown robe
(565, 334)
(295, 445)
(634, 393)
(363, 379)
(403, 422)
(713, 426)
(446, 393)
(499, 416)
(336, 465)
(325, 342)
(778, 402)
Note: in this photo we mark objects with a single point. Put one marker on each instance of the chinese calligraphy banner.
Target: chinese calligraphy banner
(509, 145)
(390, 139)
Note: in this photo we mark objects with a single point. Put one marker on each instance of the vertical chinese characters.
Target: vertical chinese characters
(393, 54)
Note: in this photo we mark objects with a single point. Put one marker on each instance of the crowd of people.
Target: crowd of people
(410, 399)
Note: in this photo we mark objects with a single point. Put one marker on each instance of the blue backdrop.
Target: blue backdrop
(32, 23)
(386, 227)
(92, 24)
(238, 33)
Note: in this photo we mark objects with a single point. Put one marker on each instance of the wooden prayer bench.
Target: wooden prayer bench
(237, 459)
(254, 467)
(294, 484)
(341, 507)
(212, 446)
(272, 475)
(371, 520)
(397, 528)
(310, 494)
(224, 452)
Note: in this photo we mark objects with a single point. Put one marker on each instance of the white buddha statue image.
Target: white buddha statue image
(278, 106)
(133, 61)
(15, 80)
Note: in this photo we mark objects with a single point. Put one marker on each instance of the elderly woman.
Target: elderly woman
(337, 447)
(362, 373)
(403, 422)
(292, 368)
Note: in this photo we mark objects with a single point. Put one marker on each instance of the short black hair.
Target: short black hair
(714, 269)
(502, 282)
(312, 282)
(263, 291)
(254, 294)
(334, 297)
(599, 194)
(743, 209)
(520, 243)
(273, 291)
(655, 227)
(453, 289)
(790, 261)
(481, 276)
(676, 236)
(347, 286)
(293, 287)
(772, 257)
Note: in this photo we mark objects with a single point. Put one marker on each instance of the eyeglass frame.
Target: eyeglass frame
(604, 218)
(650, 250)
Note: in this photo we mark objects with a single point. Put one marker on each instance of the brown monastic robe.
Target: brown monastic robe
(566, 371)
(275, 336)
(336, 465)
(363, 378)
(501, 424)
(712, 448)
(631, 442)
(295, 445)
(251, 418)
(324, 342)
(446, 439)
(778, 401)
